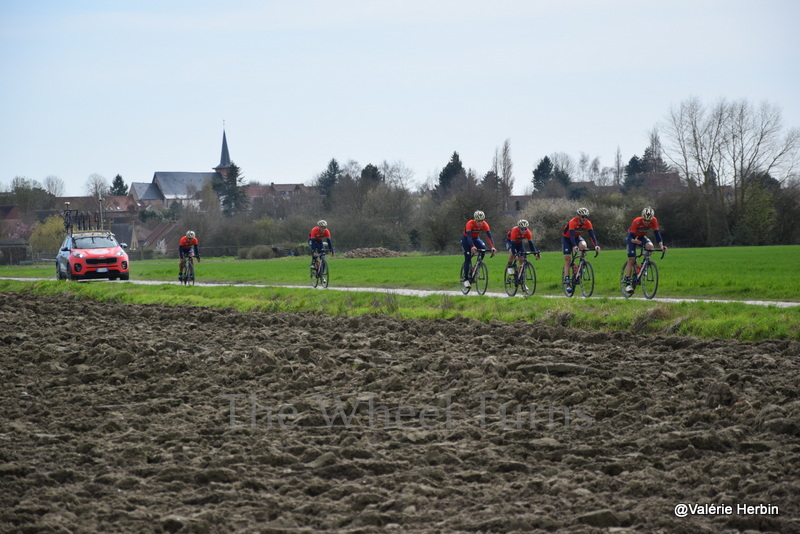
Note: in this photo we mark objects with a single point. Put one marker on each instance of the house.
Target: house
(10, 217)
(185, 187)
(165, 236)
(660, 182)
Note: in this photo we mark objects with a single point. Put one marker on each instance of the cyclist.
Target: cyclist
(187, 244)
(471, 241)
(572, 241)
(514, 239)
(637, 234)
(316, 236)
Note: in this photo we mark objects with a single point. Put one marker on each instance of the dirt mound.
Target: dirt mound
(378, 252)
(189, 419)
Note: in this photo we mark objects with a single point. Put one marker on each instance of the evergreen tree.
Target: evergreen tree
(633, 169)
(231, 191)
(452, 173)
(561, 175)
(371, 175)
(118, 187)
(328, 178)
(652, 161)
(491, 181)
(542, 174)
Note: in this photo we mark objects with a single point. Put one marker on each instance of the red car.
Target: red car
(90, 255)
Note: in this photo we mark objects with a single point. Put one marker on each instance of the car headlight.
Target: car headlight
(120, 253)
(79, 254)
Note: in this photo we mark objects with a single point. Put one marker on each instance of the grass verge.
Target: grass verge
(705, 320)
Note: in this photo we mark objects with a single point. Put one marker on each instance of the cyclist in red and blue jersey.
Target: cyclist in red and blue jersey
(471, 241)
(637, 234)
(187, 244)
(317, 238)
(514, 243)
(572, 241)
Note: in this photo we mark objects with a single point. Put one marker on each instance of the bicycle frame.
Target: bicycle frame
(188, 267)
(519, 277)
(479, 254)
(638, 266)
(319, 269)
(644, 272)
(578, 275)
(478, 274)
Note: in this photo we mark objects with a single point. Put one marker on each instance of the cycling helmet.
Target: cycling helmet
(322, 223)
(190, 234)
(583, 212)
(648, 213)
(479, 215)
(522, 223)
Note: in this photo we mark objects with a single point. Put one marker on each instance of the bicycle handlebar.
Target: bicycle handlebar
(642, 250)
(576, 254)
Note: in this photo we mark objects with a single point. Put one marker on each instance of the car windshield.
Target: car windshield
(95, 242)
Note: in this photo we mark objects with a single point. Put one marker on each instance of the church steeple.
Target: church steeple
(225, 157)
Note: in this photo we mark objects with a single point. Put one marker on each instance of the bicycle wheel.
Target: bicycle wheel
(528, 278)
(463, 278)
(482, 278)
(324, 277)
(623, 283)
(188, 276)
(509, 282)
(314, 278)
(586, 279)
(649, 279)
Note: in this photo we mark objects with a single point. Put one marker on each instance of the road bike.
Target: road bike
(188, 270)
(644, 273)
(319, 270)
(580, 274)
(522, 274)
(478, 275)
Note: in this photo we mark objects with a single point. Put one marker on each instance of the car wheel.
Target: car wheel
(125, 276)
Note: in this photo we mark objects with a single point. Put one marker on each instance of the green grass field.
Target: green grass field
(737, 273)
(757, 273)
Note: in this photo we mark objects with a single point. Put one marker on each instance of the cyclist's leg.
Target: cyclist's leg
(567, 246)
(181, 267)
(631, 248)
(317, 247)
(511, 254)
(467, 265)
(518, 252)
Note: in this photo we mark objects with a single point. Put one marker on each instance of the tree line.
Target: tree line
(736, 162)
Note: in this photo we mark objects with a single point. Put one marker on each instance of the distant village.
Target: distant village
(125, 215)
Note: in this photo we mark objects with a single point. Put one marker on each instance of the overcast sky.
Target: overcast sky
(134, 87)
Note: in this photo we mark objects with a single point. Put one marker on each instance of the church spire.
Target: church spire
(225, 158)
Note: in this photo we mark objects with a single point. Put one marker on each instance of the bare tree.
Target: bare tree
(397, 174)
(583, 167)
(724, 147)
(756, 144)
(96, 186)
(563, 166)
(619, 167)
(595, 170)
(54, 185)
(506, 173)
